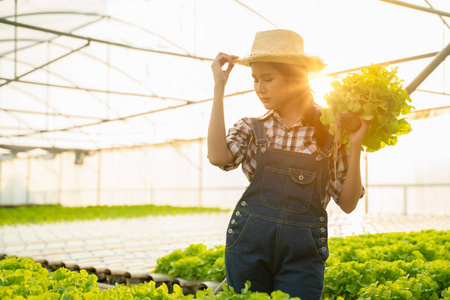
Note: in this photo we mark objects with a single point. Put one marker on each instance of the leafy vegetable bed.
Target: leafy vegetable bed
(194, 263)
(57, 213)
(412, 265)
(400, 265)
(21, 278)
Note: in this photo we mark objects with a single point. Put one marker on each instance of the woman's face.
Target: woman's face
(269, 85)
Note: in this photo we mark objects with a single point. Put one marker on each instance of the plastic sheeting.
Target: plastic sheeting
(101, 74)
(133, 79)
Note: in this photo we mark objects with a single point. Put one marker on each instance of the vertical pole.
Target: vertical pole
(443, 65)
(28, 179)
(59, 195)
(152, 192)
(47, 90)
(99, 177)
(148, 195)
(200, 173)
(108, 74)
(405, 200)
(15, 39)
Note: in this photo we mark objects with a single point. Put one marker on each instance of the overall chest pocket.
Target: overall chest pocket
(289, 190)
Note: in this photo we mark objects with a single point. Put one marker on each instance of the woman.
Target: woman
(277, 236)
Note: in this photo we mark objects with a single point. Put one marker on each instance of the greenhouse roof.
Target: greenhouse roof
(88, 75)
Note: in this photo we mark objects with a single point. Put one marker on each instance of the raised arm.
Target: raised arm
(218, 152)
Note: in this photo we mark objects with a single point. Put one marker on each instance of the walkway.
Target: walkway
(126, 250)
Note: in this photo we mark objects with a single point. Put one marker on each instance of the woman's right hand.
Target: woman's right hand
(220, 75)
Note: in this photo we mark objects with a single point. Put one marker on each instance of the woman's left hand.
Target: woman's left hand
(355, 138)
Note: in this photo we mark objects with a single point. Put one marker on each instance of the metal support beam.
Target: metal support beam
(418, 7)
(17, 148)
(20, 111)
(101, 17)
(395, 61)
(44, 65)
(433, 92)
(124, 117)
(94, 90)
(442, 19)
(440, 57)
(38, 42)
(100, 41)
(257, 13)
(98, 99)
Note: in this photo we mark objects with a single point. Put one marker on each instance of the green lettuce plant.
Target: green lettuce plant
(374, 94)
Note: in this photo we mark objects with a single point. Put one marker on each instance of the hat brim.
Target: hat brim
(311, 63)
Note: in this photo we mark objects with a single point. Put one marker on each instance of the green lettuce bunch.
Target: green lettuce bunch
(375, 94)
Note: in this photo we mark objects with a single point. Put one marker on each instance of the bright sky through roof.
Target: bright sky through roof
(345, 34)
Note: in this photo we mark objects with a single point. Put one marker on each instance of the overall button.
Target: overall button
(238, 213)
(324, 249)
(243, 203)
(321, 219)
(301, 177)
(230, 231)
(233, 221)
(263, 149)
(322, 229)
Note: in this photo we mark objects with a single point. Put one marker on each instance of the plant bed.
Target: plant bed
(22, 278)
(414, 265)
(57, 213)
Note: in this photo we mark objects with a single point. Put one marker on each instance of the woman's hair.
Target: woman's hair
(296, 78)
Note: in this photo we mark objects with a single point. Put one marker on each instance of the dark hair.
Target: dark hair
(297, 76)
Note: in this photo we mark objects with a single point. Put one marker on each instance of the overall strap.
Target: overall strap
(325, 151)
(259, 131)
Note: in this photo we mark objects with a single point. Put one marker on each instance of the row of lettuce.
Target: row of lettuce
(22, 278)
(56, 213)
(398, 265)
(412, 265)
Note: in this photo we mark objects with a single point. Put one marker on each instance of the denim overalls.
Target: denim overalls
(277, 235)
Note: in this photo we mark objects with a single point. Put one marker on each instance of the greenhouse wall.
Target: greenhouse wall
(412, 177)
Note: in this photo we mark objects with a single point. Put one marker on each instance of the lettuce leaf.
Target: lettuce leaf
(376, 94)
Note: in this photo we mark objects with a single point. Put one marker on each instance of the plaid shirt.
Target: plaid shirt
(298, 138)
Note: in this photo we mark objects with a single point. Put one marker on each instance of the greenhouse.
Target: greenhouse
(106, 187)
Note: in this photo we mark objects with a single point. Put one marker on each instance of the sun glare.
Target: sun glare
(321, 86)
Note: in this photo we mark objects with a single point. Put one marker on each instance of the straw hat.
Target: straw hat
(281, 46)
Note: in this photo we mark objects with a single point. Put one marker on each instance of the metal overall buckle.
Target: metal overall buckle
(262, 144)
(323, 152)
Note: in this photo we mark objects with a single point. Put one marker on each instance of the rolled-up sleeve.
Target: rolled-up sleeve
(237, 141)
(337, 180)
